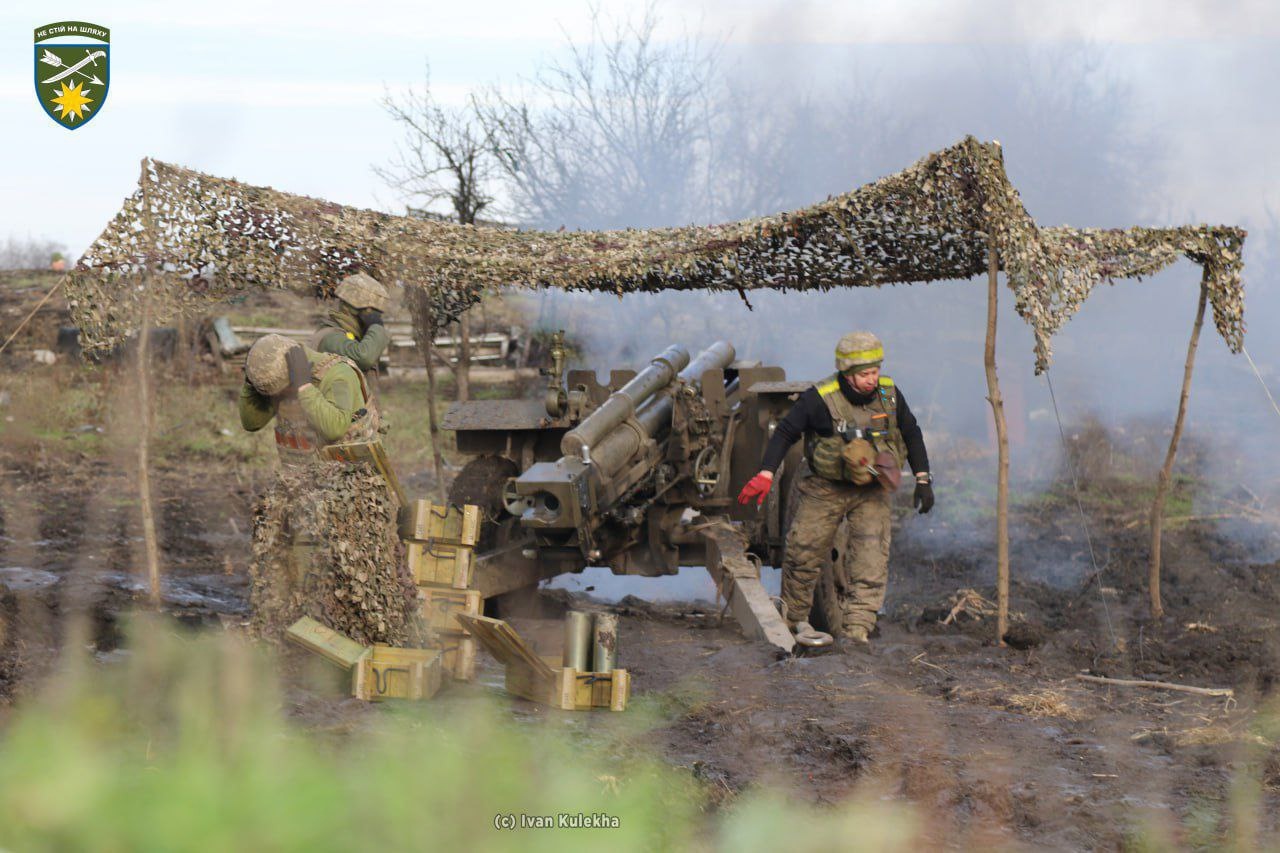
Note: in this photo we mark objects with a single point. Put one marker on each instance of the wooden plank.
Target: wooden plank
(326, 642)
(621, 691)
(525, 683)
(448, 525)
(443, 606)
(506, 646)
(440, 564)
(459, 657)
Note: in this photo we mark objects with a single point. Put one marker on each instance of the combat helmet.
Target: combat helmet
(857, 351)
(361, 291)
(265, 366)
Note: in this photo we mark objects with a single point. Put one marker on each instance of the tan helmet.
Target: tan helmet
(858, 351)
(361, 291)
(265, 367)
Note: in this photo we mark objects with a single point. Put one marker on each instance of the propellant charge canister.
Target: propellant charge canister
(577, 640)
(604, 647)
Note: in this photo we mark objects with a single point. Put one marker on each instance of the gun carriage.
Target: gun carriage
(639, 474)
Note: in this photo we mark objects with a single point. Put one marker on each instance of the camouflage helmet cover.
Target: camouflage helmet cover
(858, 351)
(361, 290)
(265, 366)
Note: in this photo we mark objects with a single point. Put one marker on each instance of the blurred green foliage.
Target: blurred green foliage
(184, 746)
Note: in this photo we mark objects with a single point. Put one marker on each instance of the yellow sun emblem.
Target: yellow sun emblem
(73, 102)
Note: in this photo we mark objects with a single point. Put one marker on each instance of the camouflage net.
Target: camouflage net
(198, 239)
(325, 546)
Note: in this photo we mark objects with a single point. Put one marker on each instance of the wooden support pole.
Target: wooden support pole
(150, 543)
(462, 372)
(144, 451)
(1002, 442)
(423, 332)
(1166, 473)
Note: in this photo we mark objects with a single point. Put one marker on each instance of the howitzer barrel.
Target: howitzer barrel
(616, 448)
(622, 403)
(715, 357)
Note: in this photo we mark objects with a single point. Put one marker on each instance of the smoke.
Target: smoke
(1093, 135)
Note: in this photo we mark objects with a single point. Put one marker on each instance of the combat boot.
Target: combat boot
(857, 635)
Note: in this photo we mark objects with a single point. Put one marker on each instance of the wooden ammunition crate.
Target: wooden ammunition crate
(391, 673)
(377, 672)
(458, 656)
(540, 680)
(442, 605)
(439, 563)
(444, 525)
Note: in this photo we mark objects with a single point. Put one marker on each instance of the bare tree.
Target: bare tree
(444, 156)
(619, 135)
(29, 253)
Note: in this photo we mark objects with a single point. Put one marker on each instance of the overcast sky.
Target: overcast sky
(285, 93)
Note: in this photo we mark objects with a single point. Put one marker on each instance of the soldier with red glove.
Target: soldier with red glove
(858, 433)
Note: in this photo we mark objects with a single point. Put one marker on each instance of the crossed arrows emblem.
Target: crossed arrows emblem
(92, 56)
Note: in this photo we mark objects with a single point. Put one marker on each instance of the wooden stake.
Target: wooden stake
(33, 313)
(1166, 473)
(1002, 442)
(424, 331)
(144, 405)
(462, 373)
(144, 451)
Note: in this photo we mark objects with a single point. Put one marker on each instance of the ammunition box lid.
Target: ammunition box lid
(508, 647)
(326, 642)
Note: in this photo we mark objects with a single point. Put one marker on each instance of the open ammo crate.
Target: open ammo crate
(377, 672)
(542, 680)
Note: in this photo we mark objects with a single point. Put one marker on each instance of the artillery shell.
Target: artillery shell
(577, 640)
(604, 648)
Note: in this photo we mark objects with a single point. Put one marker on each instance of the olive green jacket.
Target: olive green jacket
(329, 406)
(341, 335)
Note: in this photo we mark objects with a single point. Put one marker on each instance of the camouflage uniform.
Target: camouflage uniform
(344, 334)
(834, 492)
(336, 408)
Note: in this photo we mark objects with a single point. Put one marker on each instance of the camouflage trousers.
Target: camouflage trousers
(860, 560)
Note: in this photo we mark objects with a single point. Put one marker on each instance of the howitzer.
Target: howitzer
(638, 474)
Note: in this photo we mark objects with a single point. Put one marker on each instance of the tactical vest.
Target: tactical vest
(298, 443)
(877, 422)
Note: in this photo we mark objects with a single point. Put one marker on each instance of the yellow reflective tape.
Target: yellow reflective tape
(829, 387)
(350, 336)
(886, 382)
(860, 355)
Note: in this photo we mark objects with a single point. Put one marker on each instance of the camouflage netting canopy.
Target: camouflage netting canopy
(188, 240)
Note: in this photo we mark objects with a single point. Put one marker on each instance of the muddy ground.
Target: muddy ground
(993, 744)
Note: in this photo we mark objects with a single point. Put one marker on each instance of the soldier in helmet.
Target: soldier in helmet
(355, 329)
(316, 398)
(858, 433)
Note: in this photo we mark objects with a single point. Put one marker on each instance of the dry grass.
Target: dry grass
(1039, 702)
(1046, 702)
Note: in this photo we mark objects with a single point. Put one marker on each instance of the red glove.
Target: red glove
(757, 485)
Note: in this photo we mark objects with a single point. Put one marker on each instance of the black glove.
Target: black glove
(370, 317)
(923, 498)
(299, 367)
